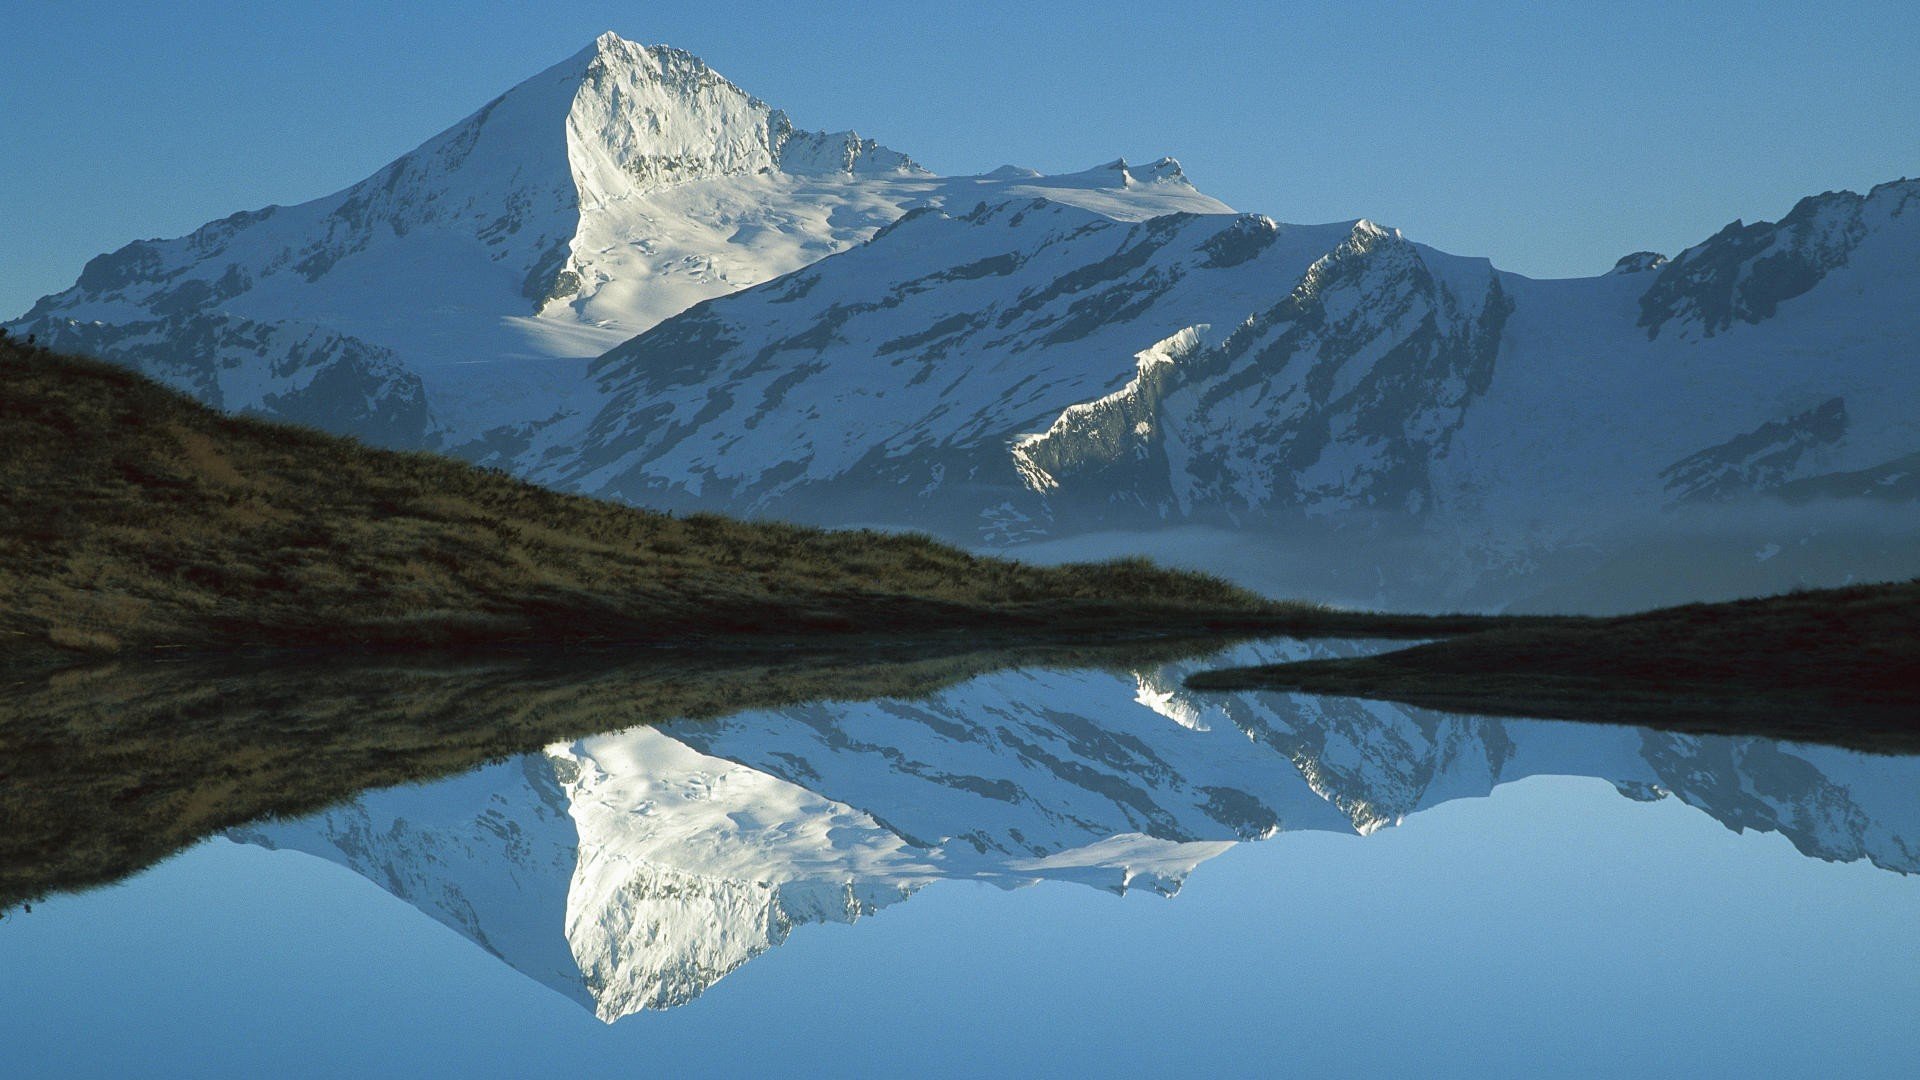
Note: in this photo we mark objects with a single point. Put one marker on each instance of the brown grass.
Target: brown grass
(132, 518)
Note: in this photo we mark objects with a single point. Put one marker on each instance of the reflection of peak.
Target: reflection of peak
(631, 871)
(663, 935)
(1170, 702)
(690, 866)
(1121, 864)
(489, 854)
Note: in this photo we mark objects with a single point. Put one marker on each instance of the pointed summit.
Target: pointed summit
(649, 116)
(516, 181)
(612, 190)
(1165, 171)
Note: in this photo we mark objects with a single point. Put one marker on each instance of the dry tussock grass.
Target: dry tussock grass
(137, 518)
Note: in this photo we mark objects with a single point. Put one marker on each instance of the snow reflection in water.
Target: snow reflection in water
(633, 870)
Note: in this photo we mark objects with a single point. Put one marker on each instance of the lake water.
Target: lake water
(1049, 872)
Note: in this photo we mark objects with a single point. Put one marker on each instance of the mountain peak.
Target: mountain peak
(1123, 173)
(650, 116)
(1166, 170)
(1367, 230)
(614, 188)
(614, 47)
(664, 63)
(1639, 262)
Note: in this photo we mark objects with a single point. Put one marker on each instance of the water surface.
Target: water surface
(1063, 871)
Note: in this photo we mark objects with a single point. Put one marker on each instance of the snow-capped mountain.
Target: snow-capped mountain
(628, 277)
(1029, 365)
(1025, 369)
(631, 871)
(465, 284)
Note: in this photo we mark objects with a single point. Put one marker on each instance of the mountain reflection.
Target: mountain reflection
(111, 768)
(633, 870)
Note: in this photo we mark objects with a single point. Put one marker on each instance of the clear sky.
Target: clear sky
(1551, 137)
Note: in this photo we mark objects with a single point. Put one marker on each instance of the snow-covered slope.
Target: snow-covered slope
(809, 325)
(633, 870)
(1766, 354)
(478, 272)
(884, 381)
(1025, 369)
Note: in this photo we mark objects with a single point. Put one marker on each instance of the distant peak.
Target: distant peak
(1368, 228)
(1638, 262)
(1114, 173)
(814, 152)
(612, 44)
(609, 46)
(612, 55)
(652, 116)
(1165, 171)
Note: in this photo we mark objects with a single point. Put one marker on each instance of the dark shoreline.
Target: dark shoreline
(135, 522)
(1036, 628)
(110, 767)
(1836, 666)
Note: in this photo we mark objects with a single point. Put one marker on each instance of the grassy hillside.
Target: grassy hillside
(1832, 665)
(133, 519)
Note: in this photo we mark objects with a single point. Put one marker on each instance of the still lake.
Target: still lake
(1037, 870)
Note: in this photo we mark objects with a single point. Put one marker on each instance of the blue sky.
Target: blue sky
(1550, 137)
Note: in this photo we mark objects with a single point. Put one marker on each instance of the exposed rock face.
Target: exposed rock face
(1337, 397)
(1761, 459)
(1028, 371)
(903, 380)
(1745, 272)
